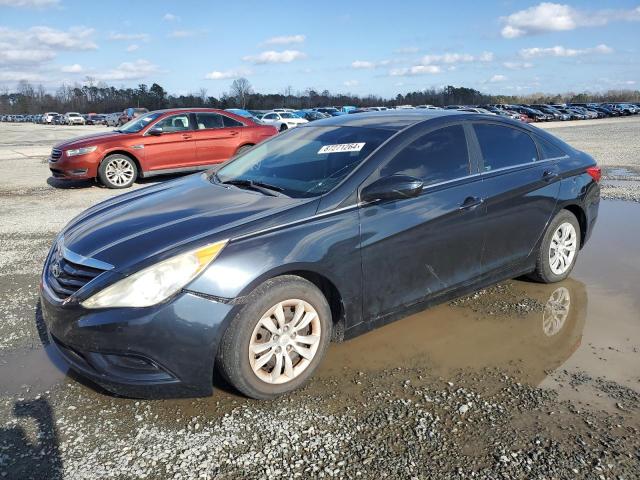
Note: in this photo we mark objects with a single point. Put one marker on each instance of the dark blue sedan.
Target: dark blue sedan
(316, 235)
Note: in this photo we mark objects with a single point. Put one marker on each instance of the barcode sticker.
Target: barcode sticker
(341, 147)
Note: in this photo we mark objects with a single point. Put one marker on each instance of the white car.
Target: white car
(282, 120)
(112, 119)
(48, 117)
(73, 118)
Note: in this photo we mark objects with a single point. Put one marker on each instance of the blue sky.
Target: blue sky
(362, 47)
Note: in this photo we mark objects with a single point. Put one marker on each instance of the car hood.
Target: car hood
(156, 222)
(91, 139)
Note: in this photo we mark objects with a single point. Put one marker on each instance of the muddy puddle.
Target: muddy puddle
(563, 336)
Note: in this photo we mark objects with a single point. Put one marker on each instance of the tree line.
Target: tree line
(101, 98)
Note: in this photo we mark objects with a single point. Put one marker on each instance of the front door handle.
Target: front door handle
(471, 202)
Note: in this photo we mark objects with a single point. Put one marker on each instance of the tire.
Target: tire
(244, 371)
(550, 267)
(242, 149)
(283, 127)
(117, 171)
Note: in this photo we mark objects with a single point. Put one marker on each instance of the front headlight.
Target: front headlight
(157, 282)
(81, 151)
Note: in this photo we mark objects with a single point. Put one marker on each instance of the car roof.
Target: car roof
(387, 120)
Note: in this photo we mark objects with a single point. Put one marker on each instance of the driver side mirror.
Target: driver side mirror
(155, 131)
(394, 187)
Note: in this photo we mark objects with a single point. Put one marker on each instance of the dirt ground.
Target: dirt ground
(519, 380)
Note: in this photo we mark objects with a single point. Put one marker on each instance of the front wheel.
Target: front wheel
(117, 171)
(559, 249)
(277, 340)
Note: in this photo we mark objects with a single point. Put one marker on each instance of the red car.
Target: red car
(164, 141)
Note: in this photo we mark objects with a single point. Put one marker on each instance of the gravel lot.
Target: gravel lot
(499, 384)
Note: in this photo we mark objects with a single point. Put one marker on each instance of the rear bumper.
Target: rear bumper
(165, 351)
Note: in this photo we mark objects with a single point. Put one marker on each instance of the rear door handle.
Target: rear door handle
(549, 175)
(233, 133)
(186, 136)
(471, 202)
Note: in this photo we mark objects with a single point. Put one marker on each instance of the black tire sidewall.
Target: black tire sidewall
(103, 166)
(543, 268)
(283, 128)
(233, 354)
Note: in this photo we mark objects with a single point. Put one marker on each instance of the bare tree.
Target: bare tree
(240, 90)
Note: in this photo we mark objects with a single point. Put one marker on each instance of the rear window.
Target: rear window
(230, 122)
(549, 150)
(504, 147)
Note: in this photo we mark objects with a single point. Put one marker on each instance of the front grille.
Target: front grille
(56, 155)
(65, 277)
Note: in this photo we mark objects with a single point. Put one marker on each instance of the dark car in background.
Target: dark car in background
(130, 113)
(160, 142)
(323, 232)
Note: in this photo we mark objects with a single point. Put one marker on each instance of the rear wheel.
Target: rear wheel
(283, 127)
(278, 339)
(559, 249)
(118, 171)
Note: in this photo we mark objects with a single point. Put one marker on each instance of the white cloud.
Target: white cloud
(497, 78)
(29, 3)
(271, 56)
(181, 34)
(457, 58)
(285, 40)
(560, 51)
(41, 44)
(129, 36)
(517, 65)
(170, 17)
(351, 83)
(415, 70)
(227, 74)
(75, 68)
(556, 17)
(133, 47)
(129, 71)
(363, 64)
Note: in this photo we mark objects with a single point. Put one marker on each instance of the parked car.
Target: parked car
(73, 118)
(282, 120)
(96, 119)
(48, 117)
(311, 115)
(130, 113)
(58, 120)
(334, 112)
(164, 141)
(311, 236)
(112, 119)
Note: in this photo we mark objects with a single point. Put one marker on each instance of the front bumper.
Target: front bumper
(165, 351)
(75, 168)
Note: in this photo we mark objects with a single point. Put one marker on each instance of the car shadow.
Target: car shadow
(70, 184)
(92, 183)
(28, 455)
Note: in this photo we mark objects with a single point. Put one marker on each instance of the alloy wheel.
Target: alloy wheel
(284, 342)
(119, 172)
(562, 249)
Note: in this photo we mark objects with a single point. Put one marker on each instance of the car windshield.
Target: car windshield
(304, 162)
(137, 124)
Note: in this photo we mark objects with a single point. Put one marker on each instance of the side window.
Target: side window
(436, 157)
(230, 122)
(209, 120)
(548, 150)
(504, 146)
(175, 123)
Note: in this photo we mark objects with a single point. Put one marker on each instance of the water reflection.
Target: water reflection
(491, 331)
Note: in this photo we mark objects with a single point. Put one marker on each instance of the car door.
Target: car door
(217, 137)
(173, 147)
(520, 193)
(416, 248)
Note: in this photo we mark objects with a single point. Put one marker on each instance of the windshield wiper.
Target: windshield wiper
(262, 187)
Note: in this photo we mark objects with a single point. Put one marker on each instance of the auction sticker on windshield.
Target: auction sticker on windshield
(341, 147)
